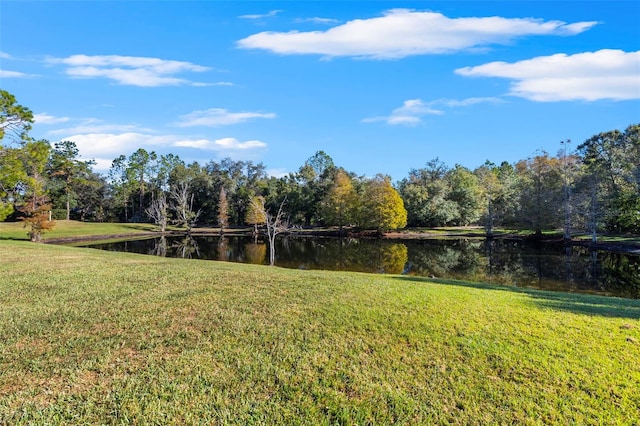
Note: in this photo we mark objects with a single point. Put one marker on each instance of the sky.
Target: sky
(381, 87)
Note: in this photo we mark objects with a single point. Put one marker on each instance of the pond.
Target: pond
(506, 262)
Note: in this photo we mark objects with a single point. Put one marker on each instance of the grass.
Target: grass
(94, 337)
(72, 228)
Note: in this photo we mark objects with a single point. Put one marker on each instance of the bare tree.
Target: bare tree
(159, 211)
(276, 224)
(223, 210)
(183, 206)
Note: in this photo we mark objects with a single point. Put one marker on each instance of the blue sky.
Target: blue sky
(382, 87)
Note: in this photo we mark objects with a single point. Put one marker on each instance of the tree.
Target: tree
(15, 123)
(341, 201)
(15, 119)
(36, 207)
(382, 206)
(612, 159)
(64, 167)
(426, 192)
(540, 192)
(159, 211)
(223, 210)
(466, 192)
(140, 169)
(256, 213)
(315, 177)
(183, 206)
(276, 224)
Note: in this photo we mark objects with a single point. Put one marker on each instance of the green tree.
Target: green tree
(427, 192)
(315, 178)
(612, 162)
(541, 193)
(382, 207)
(69, 172)
(466, 192)
(15, 123)
(15, 119)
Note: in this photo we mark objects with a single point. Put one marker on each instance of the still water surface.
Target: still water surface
(514, 263)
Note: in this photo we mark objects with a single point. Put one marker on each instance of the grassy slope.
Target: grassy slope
(72, 228)
(98, 337)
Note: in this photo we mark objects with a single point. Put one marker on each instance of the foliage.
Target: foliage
(612, 162)
(72, 174)
(466, 192)
(540, 193)
(256, 213)
(15, 119)
(597, 188)
(36, 211)
(339, 206)
(382, 207)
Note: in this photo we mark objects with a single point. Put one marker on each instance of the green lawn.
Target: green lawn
(72, 228)
(94, 337)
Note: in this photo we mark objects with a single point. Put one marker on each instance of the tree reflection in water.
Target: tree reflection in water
(255, 253)
(186, 247)
(497, 261)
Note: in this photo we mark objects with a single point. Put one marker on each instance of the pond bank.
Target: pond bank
(628, 247)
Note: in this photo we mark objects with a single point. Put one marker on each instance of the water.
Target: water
(513, 263)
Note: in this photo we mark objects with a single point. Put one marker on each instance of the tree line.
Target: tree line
(595, 187)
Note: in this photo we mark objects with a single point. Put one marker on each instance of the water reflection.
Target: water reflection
(515, 263)
(185, 247)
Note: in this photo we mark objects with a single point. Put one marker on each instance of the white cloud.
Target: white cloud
(131, 70)
(93, 125)
(402, 32)
(589, 76)
(224, 144)
(277, 173)
(412, 110)
(14, 74)
(322, 21)
(5, 55)
(45, 118)
(453, 103)
(214, 117)
(409, 114)
(269, 14)
(105, 147)
(111, 145)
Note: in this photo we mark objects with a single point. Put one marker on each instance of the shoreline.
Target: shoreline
(619, 247)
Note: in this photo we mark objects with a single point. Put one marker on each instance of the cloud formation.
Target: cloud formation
(224, 144)
(588, 76)
(321, 21)
(269, 14)
(402, 32)
(105, 146)
(215, 117)
(13, 74)
(44, 118)
(409, 114)
(131, 70)
(412, 110)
